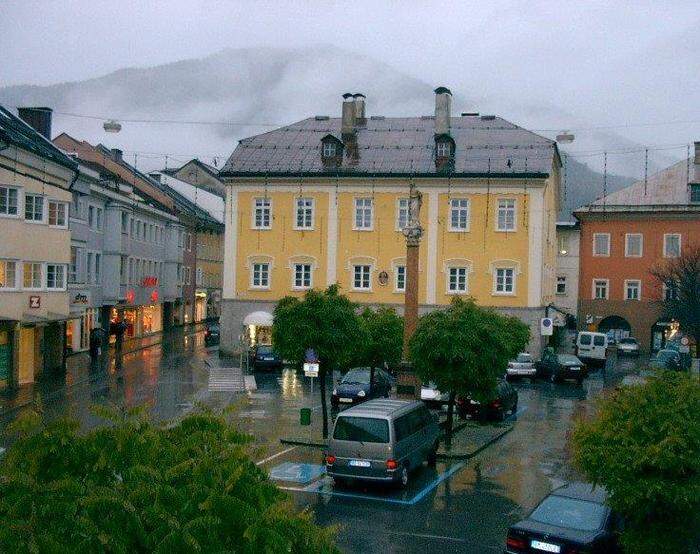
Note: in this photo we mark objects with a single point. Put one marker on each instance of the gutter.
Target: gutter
(345, 174)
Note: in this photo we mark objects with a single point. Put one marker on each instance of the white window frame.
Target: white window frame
(639, 288)
(41, 275)
(306, 208)
(448, 280)
(680, 248)
(58, 205)
(456, 207)
(329, 149)
(262, 205)
(16, 272)
(362, 211)
(607, 254)
(43, 208)
(641, 245)
(506, 210)
(402, 212)
(363, 274)
(64, 273)
(296, 274)
(400, 271)
(563, 245)
(564, 282)
(19, 206)
(443, 149)
(666, 290)
(253, 268)
(607, 288)
(513, 284)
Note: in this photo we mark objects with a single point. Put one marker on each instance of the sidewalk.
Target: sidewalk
(80, 370)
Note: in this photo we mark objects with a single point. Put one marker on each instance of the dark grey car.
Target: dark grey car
(382, 440)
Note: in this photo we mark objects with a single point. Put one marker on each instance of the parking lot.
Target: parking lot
(457, 505)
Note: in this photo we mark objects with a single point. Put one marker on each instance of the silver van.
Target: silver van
(382, 440)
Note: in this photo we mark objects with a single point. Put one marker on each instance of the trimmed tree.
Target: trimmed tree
(137, 486)
(464, 349)
(324, 321)
(383, 338)
(644, 448)
(681, 276)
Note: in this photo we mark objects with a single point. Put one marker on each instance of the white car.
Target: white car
(628, 346)
(522, 366)
(432, 396)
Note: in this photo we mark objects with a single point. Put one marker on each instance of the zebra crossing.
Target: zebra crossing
(226, 379)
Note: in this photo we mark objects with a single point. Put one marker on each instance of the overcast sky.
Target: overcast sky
(616, 62)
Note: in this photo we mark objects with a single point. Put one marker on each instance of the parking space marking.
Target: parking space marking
(315, 488)
(427, 536)
(269, 458)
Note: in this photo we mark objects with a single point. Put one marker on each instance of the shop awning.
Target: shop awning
(262, 319)
(50, 317)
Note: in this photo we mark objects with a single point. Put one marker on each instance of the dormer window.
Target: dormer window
(329, 149)
(443, 149)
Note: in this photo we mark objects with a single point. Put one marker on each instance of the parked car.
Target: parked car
(382, 440)
(573, 518)
(558, 367)
(666, 359)
(506, 401)
(628, 346)
(522, 366)
(211, 334)
(430, 394)
(592, 347)
(354, 387)
(264, 357)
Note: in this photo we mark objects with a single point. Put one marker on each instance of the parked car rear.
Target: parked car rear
(264, 356)
(592, 347)
(430, 394)
(506, 402)
(381, 440)
(628, 346)
(211, 334)
(522, 366)
(355, 387)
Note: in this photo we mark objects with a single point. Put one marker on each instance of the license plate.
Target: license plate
(574, 368)
(346, 400)
(268, 358)
(545, 546)
(359, 463)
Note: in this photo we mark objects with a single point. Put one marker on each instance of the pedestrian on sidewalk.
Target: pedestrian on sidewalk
(119, 332)
(96, 343)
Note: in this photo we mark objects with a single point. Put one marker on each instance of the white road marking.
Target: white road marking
(428, 536)
(265, 460)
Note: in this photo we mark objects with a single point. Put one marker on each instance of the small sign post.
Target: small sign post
(311, 366)
(546, 326)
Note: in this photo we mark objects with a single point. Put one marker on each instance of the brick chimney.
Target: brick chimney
(38, 119)
(359, 99)
(443, 110)
(117, 155)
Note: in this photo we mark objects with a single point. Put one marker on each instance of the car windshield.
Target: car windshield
(214, 328)
(361, 429)
(628, 341)
(569, 359)
(264, 349)
(356, 377)
(585, 339)
(523, 358)
(570, 513)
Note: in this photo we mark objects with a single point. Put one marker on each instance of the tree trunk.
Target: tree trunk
(450, 417)
(324, 410)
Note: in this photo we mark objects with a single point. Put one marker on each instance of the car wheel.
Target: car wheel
(404, 477)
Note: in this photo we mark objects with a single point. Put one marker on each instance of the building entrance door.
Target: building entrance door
(26, 355)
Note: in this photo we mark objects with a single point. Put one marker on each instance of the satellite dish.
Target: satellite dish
(112, 126)
(565, 137)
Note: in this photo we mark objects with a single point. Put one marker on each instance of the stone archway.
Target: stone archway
(615, 326)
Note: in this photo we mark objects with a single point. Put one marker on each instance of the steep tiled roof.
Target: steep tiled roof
(668, 187)
(396, 146)
(15, 131)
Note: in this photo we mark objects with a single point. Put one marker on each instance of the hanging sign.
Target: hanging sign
(35, 302)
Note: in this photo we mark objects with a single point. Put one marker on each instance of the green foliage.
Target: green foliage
(322, 320)
(382, 338)
(465, 348)
(135, 486)
(644, 447)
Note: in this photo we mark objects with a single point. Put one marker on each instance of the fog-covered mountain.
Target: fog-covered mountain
(256, 89)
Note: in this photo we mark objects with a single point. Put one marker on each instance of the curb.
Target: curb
(304, 442)
(469, 455)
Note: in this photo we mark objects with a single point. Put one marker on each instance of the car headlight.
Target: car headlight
(361, 393)
(335, 392)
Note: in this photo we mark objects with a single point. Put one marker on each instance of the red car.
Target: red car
(506, 401)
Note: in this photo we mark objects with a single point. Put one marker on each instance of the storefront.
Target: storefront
(140, 320)
(78, 330)
(258, 328)
(200, 305)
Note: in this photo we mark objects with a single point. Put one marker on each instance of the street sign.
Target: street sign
(311, 369)
(546, 326)
(685, 341)
(310, 355)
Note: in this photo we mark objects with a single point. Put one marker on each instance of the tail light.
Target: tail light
(516, 543)
(330, 459)
(391, 464)
(496, 403)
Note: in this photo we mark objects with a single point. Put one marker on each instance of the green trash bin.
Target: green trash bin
(305, 416)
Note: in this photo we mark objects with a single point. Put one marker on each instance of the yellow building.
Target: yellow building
(35, 177)
(324, 200)
(209, 272)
